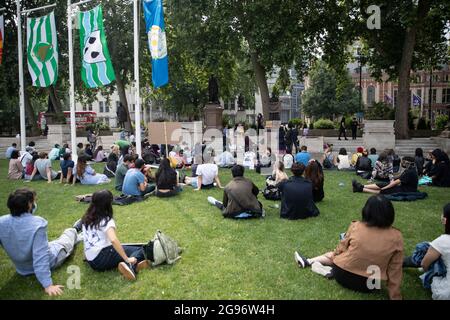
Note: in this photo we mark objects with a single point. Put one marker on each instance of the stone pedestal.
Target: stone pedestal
(444, 141)
(379, 134)
(58, 133)
(213, 116)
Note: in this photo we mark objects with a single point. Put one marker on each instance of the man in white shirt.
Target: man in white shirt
(207, 174)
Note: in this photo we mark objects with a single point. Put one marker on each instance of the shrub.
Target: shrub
(441, 122)
(311, 125)
(380, 111)
(296, 122)
(324, 124)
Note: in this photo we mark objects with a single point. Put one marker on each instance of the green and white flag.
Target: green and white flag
(97, 68)
(42, 50)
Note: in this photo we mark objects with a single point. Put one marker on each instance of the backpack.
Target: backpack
(163, 249)
(271, 192)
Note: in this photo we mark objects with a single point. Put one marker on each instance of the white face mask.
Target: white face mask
(34, 208)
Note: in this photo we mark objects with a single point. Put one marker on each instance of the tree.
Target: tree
(330, 93)
(411, 38)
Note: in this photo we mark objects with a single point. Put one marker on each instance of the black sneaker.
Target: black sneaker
(357, 187)
(127, 271)
(301, 260)
(78, 225)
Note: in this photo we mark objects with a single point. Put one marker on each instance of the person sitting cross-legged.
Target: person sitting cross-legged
(67, 166)
(371, 251)
(407, 182)
(297, 200)
(87, 175)
(240, 197)
(166, 180)
(122, 170)
(43, 166)
(135, 182)
(24, 238)
(207, 175)
(303, 156)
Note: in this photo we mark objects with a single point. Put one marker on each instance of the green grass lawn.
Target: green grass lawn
(222, 259)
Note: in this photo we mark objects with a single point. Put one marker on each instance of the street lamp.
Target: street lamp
(358, 50)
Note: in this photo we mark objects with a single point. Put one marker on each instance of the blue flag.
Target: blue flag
(417, 101)
(156, 30)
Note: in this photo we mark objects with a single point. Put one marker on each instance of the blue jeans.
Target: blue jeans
(109, 259)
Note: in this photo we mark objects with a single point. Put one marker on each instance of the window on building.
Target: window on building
(433, 95)
(134, 107)
(370, 95)
(446, 95)
(447, 78)
(435, 78)
(106, 108)
(101, 106)
(419, 93)
(84, 108)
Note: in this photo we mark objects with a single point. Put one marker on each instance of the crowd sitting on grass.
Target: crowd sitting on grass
(371, 241)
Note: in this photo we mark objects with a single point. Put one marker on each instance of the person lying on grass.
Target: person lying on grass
(102, 248)
(438, 249)
(407, 182)
(370, 251)
(240, 197)
(24, 238)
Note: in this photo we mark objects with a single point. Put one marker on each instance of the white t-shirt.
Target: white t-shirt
(208, 172)
(249, 160)
(440, 287)
(25, 158)
(95, 240)
(288, 161)
(344, 162)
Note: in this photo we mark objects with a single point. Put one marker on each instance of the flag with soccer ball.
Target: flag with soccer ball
(42, 50)
(97, 70)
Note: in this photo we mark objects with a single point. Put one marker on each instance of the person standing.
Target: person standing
(342, 129)
(354, 127)
(43, 125)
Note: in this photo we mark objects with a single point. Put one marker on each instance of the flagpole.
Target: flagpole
(137, 112)
(23, 132)
(73, 127)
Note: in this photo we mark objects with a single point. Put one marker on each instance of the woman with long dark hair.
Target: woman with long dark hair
(166, 180)
(314, 173)
(15, 170)
(87, 175)
(102, 248)
(367, 243)
(419, 160)
(440, 170)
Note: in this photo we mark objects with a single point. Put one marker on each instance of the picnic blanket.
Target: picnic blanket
(407, 196)
(122, 200)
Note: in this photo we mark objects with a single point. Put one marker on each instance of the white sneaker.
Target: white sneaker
(319, 268)
(212, 201)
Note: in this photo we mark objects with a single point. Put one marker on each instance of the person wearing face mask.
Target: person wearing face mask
(407, 182)
(24, 238)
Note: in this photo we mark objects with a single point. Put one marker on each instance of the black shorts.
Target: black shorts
(351, 281)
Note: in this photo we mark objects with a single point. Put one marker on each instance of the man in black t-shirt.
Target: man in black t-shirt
(407, 182)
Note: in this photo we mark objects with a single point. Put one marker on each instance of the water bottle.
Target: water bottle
(341, 184)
